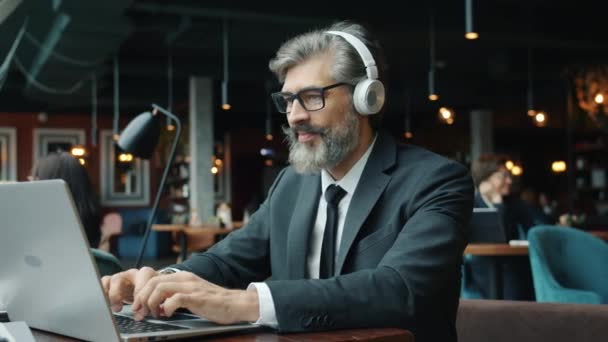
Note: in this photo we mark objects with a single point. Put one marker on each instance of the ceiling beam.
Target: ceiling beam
(226, 14)
(59, 24)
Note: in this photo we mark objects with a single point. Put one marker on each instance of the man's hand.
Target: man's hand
(122, 286)
(161, 296)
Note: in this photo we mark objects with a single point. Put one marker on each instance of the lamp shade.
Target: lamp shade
(141, 135)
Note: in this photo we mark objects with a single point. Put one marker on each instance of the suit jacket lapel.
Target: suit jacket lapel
(300, 227)
(372, 183)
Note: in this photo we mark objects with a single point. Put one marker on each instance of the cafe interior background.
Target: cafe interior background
(74, 73)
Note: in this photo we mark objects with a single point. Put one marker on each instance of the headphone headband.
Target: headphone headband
(366, 55)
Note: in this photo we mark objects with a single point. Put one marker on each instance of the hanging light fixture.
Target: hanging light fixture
(517, 170)
(407, 131)
(268, 127)
(115, 133)
(432, 93)
(170, 126)
(446, 115)
(225, 104)
(531, 111)
(539, 118)
(470, 33)
(558, 166)
(79, 152)
(94, 110)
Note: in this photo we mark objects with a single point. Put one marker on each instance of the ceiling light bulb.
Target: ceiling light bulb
(78, 151)
(517, 170)
(226, 106)
(531, 112)
(445, 113)
(599, 98)
(558, 166)
(509, 164)
(540, 117)
(408, 135)
(471, 35)
(433, 97)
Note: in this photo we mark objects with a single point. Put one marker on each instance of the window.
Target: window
(8, 154)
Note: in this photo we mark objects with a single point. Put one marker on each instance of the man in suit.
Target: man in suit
(395, 236)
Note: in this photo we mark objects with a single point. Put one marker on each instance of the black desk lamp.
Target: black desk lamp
(140, 138)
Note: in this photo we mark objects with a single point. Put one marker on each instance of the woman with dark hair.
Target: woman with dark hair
(63, 166)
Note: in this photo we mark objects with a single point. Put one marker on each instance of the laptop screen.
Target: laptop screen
(487, 226)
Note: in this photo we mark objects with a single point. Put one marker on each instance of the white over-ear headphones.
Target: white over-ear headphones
(368, 97)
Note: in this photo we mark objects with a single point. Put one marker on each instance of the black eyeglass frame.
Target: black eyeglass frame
(282, 96)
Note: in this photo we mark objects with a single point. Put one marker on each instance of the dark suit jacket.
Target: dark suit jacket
(400, 254)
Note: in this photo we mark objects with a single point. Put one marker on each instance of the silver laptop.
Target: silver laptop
(48, 277)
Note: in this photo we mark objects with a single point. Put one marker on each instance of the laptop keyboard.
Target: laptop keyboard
(128, 325)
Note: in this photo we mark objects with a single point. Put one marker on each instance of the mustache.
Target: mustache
(302, 128)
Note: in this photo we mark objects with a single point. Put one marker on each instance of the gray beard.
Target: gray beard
(335, 145)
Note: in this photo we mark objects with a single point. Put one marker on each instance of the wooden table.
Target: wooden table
(372, 335)
(496, 251)
(213, 233)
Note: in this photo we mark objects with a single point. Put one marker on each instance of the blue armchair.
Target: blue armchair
(568, 265)
(133, 227)
(107, 264)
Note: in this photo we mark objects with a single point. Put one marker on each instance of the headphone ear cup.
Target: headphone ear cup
(368, 97)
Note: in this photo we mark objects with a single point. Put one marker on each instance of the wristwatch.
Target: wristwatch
(168, 270)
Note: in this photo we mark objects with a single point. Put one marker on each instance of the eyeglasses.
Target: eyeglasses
(311, 99)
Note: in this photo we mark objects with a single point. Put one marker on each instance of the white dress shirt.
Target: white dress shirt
(349, 183)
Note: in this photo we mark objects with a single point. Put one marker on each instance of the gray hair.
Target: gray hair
(347, 65)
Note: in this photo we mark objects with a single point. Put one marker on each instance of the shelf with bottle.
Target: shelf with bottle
(178, 189)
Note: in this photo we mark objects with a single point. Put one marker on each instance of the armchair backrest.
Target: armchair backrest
(107, 264)
(568, 258)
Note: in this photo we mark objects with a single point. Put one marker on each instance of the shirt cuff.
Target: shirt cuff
(268, 315)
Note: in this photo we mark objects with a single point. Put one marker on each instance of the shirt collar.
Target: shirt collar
(351, 178)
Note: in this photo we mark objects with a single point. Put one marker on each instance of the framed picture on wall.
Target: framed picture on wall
(125, 180)
(52, 140)
(8, 154)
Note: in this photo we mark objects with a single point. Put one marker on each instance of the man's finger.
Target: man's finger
(105, 283)
(120, 289)
(167, 289)
(141, 279)
(140, 302)
(180, 300)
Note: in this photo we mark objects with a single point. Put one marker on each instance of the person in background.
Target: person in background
(493, 183)
(62, 165)
(358, 232)
(535, 205)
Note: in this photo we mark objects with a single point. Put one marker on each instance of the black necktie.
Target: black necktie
(333, 195)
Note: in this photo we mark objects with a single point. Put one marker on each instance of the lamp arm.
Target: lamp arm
(178, 131)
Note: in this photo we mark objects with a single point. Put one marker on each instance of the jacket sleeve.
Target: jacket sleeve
(240, 258)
